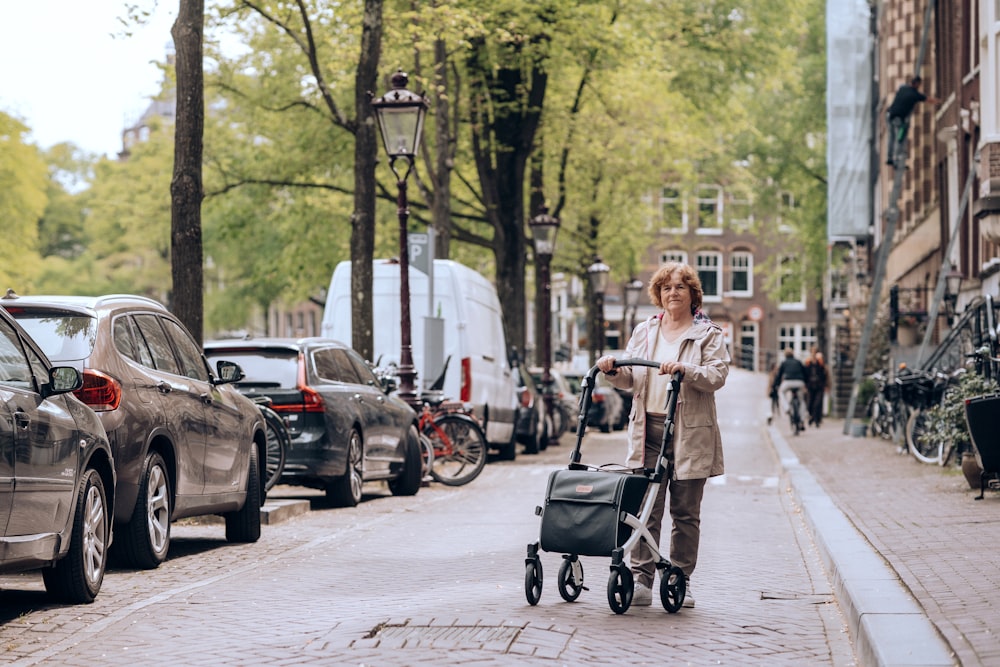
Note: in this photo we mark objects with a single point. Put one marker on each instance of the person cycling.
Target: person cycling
(791, 375)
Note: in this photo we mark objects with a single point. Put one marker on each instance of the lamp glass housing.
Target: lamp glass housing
(400, 118)
(543, 230)
(632, 290)
(597, 273)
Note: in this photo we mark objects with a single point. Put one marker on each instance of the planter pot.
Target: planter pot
(906, 336)
(971, 470)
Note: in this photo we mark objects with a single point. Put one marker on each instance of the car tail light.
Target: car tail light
(465, 390)
(525, 398)
(101, 392)
(311, 402)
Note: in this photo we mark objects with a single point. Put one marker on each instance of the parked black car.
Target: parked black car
(345, 427)
(606, 403)
(185, 443)
(57, 474)
(531, 428)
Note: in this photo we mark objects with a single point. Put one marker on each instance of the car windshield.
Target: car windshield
(62, 335)
(263, 368)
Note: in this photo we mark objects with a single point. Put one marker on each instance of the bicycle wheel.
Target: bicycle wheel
(459, 449)
(924, 451)
(278, 442)
(426, 455)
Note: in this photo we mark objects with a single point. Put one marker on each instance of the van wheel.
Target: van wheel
(508, 452)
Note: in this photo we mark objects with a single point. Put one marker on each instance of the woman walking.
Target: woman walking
(684, 341)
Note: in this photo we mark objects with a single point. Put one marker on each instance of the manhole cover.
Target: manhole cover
(441, 636)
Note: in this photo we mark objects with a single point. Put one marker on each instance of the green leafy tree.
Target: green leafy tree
(24, 186)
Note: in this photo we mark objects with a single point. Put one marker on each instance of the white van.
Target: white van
(466, 337)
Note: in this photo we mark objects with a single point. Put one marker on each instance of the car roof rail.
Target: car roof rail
(111, 298)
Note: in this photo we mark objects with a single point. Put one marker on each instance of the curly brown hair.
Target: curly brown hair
(688, 276)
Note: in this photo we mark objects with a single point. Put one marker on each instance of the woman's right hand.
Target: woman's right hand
(606, 363)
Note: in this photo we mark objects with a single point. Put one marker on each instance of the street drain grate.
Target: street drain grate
(444, 636)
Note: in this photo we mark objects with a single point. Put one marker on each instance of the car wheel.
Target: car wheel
(345, 491)
(407, 483)
(145, 540)
(78, 576)
(243, 525)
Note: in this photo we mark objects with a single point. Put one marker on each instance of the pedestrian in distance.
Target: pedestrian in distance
(683, 340)
(772, 394)
(817, 384)
(791, 375)
(907, 97)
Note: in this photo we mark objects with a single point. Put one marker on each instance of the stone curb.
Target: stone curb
(887, 625)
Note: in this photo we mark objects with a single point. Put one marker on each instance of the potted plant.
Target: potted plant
(948, 424)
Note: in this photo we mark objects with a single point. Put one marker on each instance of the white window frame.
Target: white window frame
(673, 256)
(786, 202)
(675, 199)
(783, 262)
(737, 206)
(710, 210)
(735, 266)
(710, 261)
(800, 337)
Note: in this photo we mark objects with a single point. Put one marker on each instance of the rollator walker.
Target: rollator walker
(595, 511)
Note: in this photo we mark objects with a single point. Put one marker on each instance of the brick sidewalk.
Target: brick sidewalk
(923, 521)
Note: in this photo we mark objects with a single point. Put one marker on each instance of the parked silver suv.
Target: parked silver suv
(185, 443)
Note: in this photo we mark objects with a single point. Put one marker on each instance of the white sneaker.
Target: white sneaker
(642, 595)
(688, 598)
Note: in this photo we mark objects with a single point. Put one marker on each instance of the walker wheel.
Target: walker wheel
(533, 580)
(570, 578)
(673, 587)
(620, 588)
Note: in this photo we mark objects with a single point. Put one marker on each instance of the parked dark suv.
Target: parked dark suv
(56, 473)
(345, 428)
(185, 443)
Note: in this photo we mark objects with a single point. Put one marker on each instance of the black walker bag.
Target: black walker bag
(582, 510)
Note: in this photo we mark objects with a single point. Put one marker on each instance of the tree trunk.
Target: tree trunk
(186, 190)
(366, 151)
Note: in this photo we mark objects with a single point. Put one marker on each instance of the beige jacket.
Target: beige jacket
(697, 440)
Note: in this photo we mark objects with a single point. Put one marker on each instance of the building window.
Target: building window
(741, 273)
(791, 287)
(786, 204)
(672, 213)
(739, 211)
(708, 264)
(673, 256)
(799, 337)
(709, 209)
(748, 345)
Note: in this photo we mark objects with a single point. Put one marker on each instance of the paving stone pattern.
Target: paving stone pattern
(923, 520)
(438, 579)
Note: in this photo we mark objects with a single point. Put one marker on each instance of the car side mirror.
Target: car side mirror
(62, 380)
(228, 371)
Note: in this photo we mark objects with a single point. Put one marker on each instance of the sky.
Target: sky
(69, 73)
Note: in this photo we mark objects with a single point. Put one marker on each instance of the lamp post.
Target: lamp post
(401, 121)
(632, 290)
(597, 274)
(543, 230)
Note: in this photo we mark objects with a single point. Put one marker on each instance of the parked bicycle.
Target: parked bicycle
(795, 412)
(926, 390)
(882, 408)
(454, 444)
(278, 441)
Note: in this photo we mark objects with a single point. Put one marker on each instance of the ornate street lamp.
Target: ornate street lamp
(543, 231)
(597, 274)
(401, 121)
(632, 290)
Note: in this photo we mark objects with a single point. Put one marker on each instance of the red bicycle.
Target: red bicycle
(454, 444)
